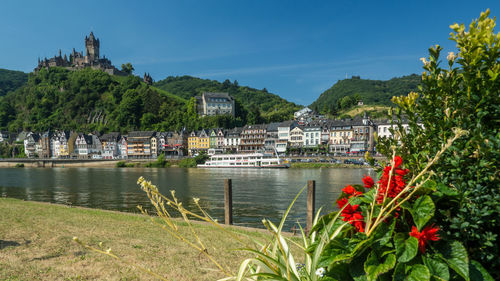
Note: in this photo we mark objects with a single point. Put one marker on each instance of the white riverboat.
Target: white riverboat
(251, 160)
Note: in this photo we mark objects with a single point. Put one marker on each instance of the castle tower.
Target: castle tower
(147, 79)
(91, 48)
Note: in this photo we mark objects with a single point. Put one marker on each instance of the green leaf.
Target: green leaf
(429, 186)
(383, 233)
(438, 269)
(356, 269)
(422, 211)
(407, 249)
(399, 272)
(455, 255)
(478, 273)
(419, 272)
(375, 266)
(339, 271)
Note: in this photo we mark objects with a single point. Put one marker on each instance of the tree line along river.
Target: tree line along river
(257, 193)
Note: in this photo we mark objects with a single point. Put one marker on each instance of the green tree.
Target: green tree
(465, 94)
(128, 68)
(254, 116)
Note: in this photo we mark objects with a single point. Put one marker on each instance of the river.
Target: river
(257, 193)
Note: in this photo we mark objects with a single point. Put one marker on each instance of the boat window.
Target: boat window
(231, 158)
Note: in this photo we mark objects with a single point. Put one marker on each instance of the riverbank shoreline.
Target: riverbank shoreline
(38, 244)
(50, 163)
(136, 163)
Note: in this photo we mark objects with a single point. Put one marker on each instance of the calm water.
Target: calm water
(257, 193)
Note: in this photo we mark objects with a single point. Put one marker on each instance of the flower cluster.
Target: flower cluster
(397, 181)
(428, 233)
(351, 191)
(368, 181)
(352, 214)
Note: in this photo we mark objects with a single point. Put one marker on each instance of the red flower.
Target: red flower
(397, 161)
(397, 183)
(341, 202)
(368, 181)
(351, 191)
(349, 211)
(428, 233)
(354, 217)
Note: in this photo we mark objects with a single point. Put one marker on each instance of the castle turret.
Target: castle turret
(91, 48)
(147, 79)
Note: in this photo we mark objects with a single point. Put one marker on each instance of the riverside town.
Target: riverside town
(310, 134)
(250, 140)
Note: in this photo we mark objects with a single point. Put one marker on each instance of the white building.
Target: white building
(32, 145)
(297, 137)
(210, 104)
(284, 135)
(110, 149)
(301, 113)
(232, 140)
(312, 136)
(384, 129)
(122, 148)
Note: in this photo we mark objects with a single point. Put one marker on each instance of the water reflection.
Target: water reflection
(257, 193)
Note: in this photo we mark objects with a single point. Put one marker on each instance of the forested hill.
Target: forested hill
(346, 93)
(88, 100)
(270, 107)
(91, 100)
(10, 80)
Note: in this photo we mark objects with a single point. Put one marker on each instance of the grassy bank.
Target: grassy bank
(36, 244)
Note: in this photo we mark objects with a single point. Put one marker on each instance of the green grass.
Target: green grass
(170, 95)
(36, 244)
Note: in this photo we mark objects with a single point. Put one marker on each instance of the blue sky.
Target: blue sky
(296, 49)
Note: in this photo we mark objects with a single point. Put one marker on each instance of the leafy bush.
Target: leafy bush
(463, 94)
(187, 163)
(124, 164)
(159, 163)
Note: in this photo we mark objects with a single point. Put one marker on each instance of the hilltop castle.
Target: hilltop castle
(78, 61)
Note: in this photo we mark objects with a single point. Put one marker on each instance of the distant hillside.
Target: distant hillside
(10, 80)
(271, 107)
(89, 100)
(345, 93)
(374, 111)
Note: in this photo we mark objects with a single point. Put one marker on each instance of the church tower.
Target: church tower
(91, 48)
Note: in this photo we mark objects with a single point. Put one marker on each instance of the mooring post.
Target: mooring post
(311, 196)
(228, 201)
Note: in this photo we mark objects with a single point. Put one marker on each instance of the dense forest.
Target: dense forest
(10, 80)
(258, 105)
(345, 93)
(91, 100)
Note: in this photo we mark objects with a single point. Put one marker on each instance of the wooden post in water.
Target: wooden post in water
(311, 196)
(228, 201)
